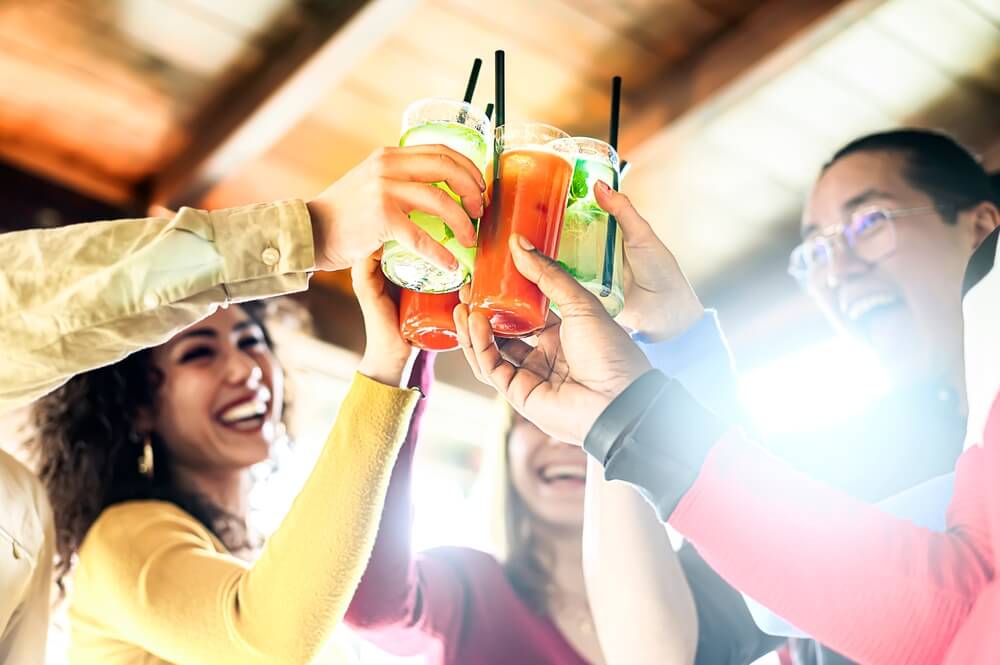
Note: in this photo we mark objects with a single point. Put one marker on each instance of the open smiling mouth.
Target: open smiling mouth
(862, 312)
(563, 474)
(247, 415)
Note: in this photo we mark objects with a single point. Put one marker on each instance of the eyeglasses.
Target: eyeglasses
(869, 235)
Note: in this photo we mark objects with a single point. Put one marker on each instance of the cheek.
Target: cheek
(275, 379)
(183, 405)
(521, 475)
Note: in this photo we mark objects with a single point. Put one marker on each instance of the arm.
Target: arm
(161, 586)
(23, 639)
(874, 580)
(76, 298)
(635, 583)
(405, 600)
(925, 505)
(700, 359)
(83, 296)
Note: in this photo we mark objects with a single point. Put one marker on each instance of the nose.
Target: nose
(843, 266)
(243, 370)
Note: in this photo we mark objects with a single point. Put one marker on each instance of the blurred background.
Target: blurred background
(730, 107)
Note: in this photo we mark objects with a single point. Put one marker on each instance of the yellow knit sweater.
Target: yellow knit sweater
(152, 585)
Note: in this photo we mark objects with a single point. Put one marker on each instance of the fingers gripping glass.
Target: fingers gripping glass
(869, 235)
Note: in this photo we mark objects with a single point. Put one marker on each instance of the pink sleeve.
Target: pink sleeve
(874, 587)
(392, 607)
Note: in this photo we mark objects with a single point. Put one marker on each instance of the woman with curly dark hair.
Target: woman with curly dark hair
(147, 467)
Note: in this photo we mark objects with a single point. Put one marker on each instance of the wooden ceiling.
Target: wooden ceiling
(730, 106)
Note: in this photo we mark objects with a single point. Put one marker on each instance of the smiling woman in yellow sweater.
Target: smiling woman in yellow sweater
(147, 465)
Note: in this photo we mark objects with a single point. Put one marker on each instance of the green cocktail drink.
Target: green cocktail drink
(583, 248)
(464, 129)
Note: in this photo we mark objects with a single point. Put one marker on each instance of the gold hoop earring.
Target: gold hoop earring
(146, 458)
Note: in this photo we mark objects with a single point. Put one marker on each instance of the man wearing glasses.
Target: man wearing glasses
(887, 233)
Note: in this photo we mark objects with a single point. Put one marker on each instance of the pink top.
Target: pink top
(454, 605)
(880, 590)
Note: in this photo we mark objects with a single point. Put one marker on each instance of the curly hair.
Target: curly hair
(88, 446)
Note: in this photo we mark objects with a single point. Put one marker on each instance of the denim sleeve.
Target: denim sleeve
(700, 360)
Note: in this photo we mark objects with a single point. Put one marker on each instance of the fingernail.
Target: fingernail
(525, 243)
(603, 186)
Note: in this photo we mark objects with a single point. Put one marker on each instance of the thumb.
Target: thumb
(557, 284)
(635, 229)
(366, 278)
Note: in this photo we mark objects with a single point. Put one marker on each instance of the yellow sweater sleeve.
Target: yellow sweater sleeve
(150, 576)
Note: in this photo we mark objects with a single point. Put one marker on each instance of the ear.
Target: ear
(145, 420)
(985, 219)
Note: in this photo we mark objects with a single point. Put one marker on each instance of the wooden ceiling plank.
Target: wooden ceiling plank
(886, 72)
(590, 48)
(671, 29)
(989, 9)
(246, 120)
(537, 87)
(834, 113)
(957, 39)
(766, 42)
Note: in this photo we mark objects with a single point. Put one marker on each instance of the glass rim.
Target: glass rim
(609, 154)
(460, 106)
(501, 131)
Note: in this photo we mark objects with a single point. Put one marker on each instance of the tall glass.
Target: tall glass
(583, 249)
(465, 129)
(529, 198)
(426, 319)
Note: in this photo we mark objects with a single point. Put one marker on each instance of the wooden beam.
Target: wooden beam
(769, 40)
(250, 116)
(66, 168)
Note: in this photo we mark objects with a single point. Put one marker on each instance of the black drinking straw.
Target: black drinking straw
(609, 245)
(489, 111)
(498, 109)
(470, 89)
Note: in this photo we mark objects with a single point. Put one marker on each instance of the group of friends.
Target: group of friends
(154, 387)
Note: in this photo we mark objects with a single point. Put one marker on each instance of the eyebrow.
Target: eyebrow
(864, 197)
(200, 332)
(849, 206)
(243, 325)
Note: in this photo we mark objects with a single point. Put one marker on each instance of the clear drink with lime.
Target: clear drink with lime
(465, 129)
(586, 236)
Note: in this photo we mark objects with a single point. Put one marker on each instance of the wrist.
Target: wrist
(621, 412)
(391, 370)
(659, 326)
(319, 220)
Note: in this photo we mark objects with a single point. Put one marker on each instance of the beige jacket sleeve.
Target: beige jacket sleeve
(87, 295)
(27, 541)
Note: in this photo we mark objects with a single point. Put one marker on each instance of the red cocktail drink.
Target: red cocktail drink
(529, 198)
(426, 320)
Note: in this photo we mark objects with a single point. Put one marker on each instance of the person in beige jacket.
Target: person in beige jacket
(87, 295)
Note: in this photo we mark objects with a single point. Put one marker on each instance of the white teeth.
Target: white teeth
(558, 471)
(859, 308)
(251, 409)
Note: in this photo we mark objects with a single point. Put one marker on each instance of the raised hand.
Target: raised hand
(578, 366)
(659, 301)
(354, 216)
(386, 352)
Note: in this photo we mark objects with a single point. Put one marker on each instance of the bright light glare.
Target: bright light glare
(813, 387)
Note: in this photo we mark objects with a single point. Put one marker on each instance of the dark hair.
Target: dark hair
(89, 447)
(935, 164)
(526, 560)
